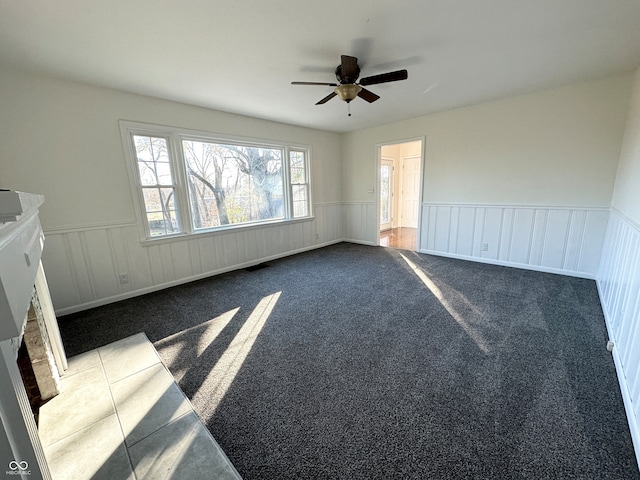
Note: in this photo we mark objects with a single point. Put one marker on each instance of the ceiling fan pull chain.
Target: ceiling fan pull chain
(349, 108)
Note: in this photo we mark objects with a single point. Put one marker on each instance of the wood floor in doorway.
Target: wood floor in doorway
(402, 237)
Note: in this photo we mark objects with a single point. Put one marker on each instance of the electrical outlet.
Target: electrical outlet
(124, 278)
(484, 247)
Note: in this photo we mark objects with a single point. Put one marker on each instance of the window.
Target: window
(156, 184)
(299, 183)
(191, 182)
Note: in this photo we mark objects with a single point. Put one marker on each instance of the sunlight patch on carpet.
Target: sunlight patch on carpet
(207, 332)
(225, 370)
(433, 288)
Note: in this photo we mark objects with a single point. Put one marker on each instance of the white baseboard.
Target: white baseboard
(502, 263)
(359, 242)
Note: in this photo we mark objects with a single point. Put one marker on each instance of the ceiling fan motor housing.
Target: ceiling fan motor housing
(349, 79)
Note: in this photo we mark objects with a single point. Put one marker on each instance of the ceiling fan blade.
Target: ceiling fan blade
(327, 98)
(384, 78)
(349, 67)
(315, 83)
(368, 95)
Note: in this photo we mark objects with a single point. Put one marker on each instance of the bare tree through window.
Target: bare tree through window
(231, 184)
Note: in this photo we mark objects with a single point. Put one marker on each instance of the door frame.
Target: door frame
(378, 164)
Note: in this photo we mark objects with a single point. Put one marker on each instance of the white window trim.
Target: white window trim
(175, 136)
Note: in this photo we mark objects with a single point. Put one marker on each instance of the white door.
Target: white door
(386, 194)
(410, 191)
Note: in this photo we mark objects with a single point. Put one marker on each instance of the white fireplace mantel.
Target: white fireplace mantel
(21, 242)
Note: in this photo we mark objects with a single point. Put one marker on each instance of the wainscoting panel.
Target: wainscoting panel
(328, 223)
(92, 265)
(520, 238)
(59, 271)
(465, 233)
(619, 287)
(359, 222)
(98, 256)
(552, 239)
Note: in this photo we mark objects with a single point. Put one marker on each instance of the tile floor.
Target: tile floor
(120, 415)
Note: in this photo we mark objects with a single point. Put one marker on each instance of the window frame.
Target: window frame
(174, 137)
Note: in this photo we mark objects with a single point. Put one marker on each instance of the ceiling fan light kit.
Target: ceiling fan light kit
(348, 87)
(348, 92)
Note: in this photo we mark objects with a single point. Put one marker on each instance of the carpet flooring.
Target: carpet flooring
(357, 362)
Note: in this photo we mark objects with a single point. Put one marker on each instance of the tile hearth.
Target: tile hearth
(120, 415)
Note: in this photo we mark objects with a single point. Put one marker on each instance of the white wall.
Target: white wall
(532, 176)
(549, 157)
(619, 277)
(68, 134)
(552, 150)
(62, 139)
(626, 196)
(555, 147)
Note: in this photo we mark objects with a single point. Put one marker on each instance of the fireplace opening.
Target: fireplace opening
(36, 361)
(29, 380)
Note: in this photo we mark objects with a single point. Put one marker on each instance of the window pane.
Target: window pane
(161, 211)
(231, 184)
(300, 203)
(297, 167)
(153, 160)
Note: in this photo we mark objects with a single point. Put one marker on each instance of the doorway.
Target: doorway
(399, 187)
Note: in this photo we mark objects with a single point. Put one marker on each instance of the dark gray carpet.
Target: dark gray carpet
(360, 372)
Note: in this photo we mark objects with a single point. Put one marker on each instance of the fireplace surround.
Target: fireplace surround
(21, 274)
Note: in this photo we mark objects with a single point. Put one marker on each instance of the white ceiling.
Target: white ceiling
(240, 56)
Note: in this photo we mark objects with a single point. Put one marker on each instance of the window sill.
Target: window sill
(147, 242)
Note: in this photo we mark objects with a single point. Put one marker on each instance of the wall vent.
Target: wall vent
(259, 266)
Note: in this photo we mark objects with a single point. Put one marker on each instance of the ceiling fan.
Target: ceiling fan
(348, 88)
